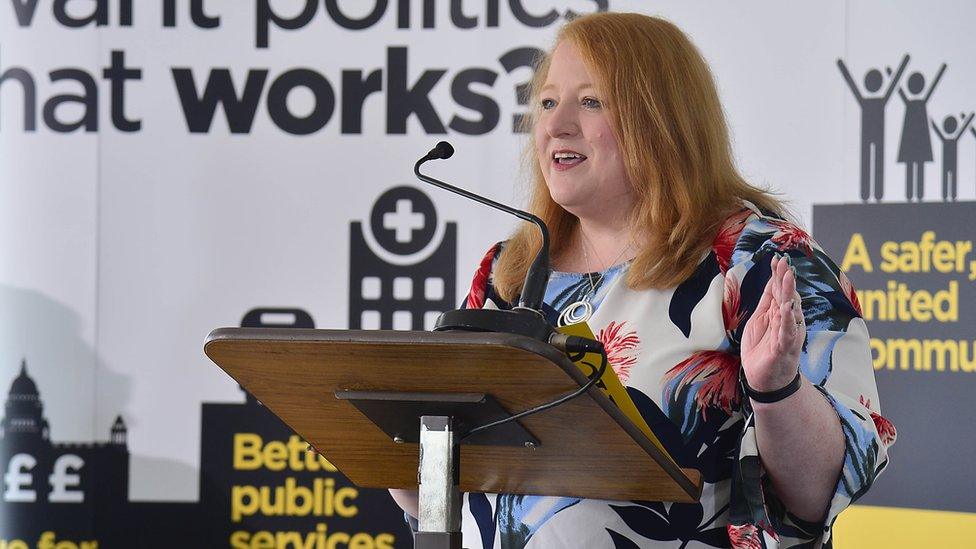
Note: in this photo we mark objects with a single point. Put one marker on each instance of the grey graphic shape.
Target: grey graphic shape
(915, 148)
(872, 125)
(389, 294)
(950, 153)
(403, 220)
(930, 460)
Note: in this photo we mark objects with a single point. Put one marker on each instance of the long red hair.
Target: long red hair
(666, 115)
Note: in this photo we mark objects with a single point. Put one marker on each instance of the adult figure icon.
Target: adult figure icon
(950, 152)
(916, 145)
(872, 125)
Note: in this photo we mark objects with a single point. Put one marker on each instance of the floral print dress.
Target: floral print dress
(677, 352)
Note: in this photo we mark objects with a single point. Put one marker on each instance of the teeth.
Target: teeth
(566, 155)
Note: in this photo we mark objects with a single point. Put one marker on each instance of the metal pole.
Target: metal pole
(440, 500)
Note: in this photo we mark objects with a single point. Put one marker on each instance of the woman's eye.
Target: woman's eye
(591, 103)
(547, 104)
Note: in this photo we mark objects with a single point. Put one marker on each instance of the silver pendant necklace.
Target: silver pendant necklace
(576, 312)
(581, 310)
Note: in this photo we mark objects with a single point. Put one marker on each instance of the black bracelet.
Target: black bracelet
(768, 397)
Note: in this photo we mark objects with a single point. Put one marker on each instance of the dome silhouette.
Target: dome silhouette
(23, 386)
(24, 411)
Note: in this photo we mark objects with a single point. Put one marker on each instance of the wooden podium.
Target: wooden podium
(357, 397)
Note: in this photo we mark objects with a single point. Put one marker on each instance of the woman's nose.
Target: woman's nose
(562, 121)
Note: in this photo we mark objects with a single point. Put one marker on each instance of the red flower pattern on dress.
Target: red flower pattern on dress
(731, 302)
(621, 348)
(790, 236)
(719, 373)
(718, 370)
(476, 295)
(884, 426)
(728, 235)
(745, 536)
(848, 288)
(886, 429)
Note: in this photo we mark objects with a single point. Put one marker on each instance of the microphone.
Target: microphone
(441, 151)
(526, 319)
(537, 277)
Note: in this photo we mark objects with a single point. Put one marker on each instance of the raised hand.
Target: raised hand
(774, 335)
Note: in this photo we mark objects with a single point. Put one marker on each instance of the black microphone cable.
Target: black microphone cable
(579, 346)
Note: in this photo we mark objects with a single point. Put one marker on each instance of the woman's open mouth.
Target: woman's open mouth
(567, 160)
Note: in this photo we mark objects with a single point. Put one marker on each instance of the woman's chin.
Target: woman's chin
(568, 199)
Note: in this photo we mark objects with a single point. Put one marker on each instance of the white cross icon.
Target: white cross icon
(403, 220)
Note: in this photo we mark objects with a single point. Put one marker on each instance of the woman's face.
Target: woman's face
(575, 145)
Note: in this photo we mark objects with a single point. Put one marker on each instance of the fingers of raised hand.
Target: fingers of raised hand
(766, 298)
(778, 314)
(776, 274)
(793, 312)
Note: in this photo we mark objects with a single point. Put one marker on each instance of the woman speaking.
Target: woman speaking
(710, 304)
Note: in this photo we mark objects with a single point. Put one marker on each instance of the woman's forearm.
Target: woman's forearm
(408, 500)
(801, 445)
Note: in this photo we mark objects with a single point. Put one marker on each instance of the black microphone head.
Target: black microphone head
(443, 150)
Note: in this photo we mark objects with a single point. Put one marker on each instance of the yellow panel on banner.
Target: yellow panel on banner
(866, 527)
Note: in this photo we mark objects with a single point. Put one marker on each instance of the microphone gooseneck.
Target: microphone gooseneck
(526, 319)
(534, 288)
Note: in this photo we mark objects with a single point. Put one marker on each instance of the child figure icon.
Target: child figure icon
(950, 151)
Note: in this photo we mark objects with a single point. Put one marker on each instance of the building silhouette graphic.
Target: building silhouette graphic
(71, 489)
(79, 491)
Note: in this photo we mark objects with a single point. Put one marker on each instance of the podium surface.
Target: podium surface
(584, 448)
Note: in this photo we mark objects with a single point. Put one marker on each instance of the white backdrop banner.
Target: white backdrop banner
(170, 167)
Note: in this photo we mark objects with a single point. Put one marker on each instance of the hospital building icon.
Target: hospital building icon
(402, 265)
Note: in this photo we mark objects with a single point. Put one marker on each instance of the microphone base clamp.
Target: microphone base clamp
(526, 322)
